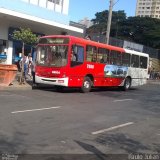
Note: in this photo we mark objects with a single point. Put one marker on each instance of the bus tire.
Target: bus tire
(86, 86)
(127, 84)
(35, 86)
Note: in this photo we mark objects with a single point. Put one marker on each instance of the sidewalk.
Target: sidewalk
(16, 86)
(153, 81)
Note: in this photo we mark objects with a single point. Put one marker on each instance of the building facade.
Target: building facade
(148, 8)
(43, 17)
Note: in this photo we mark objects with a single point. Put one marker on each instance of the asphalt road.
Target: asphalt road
(100, 122)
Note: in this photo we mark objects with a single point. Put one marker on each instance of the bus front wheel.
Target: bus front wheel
(35, 86)
(87, 84)
(127, 84)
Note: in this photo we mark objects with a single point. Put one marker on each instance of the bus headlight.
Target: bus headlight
(60, 81)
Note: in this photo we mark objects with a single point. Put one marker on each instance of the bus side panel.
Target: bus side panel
(76, 75)
(98, 74)
(101, 80)
(75, 81)
(117, 81)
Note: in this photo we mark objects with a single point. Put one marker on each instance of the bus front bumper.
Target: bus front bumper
(52, 81)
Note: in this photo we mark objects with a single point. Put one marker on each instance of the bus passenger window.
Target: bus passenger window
(102, 55)
(77, 55)
(115, 57)
(91, 53)
(126, 59)
(73, 56)
(135, 61)
(143, 62)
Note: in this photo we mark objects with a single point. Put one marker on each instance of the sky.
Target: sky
(78, 9)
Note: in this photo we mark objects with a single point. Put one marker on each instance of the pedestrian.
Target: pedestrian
(33, 72)
(25, 67)
(30, 67)
(152, 72)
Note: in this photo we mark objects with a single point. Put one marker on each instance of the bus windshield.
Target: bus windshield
(52, 55)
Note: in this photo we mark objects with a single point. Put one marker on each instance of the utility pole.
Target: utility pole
(109, 21)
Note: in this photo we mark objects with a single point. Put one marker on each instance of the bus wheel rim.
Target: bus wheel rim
(127, 84)
(86, 84)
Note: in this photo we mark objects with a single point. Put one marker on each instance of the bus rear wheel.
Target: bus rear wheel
(87, 84)
(127, 84)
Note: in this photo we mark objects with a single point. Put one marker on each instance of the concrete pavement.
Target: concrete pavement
(16, 86)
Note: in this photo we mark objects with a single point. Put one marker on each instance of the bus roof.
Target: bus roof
(136, 52)
(86, 41)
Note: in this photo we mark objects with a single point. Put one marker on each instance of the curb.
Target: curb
(153, 81)
(19, 87)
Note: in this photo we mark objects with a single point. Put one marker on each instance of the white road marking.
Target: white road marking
(40, 109)
(112, 128)
(122, 100)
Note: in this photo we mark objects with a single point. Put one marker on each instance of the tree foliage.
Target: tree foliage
(143, 30)
(25, 36)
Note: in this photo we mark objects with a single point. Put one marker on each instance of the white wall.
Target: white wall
(49, 5)
(9, 52)
(25, 0)
(65, 7)
(58, 8)
(42, 3)
(34, 2)
(3, 31)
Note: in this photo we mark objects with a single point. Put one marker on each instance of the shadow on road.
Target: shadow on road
(99, 155)
(122, 142)
(12, 144)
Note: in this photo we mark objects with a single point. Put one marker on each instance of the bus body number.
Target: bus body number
(90, 66)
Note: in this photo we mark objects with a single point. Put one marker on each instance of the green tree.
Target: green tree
(143, 30)
(26, 36)
(100, 21)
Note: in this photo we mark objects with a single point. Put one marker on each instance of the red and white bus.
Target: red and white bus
(68, 61)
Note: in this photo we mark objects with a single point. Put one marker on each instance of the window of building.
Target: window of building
(55, 1)
(2, 46)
